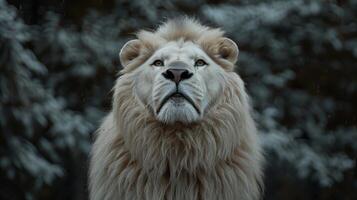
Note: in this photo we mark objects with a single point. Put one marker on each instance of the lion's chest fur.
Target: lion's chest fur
(154, 165)
(134, 182)
(118, 175)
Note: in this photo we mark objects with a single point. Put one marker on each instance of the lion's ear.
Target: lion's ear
(129, 52)
(228, 50)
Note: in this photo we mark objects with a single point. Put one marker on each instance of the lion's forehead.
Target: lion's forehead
(176, 50)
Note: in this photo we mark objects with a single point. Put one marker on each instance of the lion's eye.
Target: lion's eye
(200, 63)
(158, 63)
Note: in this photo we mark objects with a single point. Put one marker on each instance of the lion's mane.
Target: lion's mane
(137, 157)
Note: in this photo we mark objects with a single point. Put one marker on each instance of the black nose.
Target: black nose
(177, 75)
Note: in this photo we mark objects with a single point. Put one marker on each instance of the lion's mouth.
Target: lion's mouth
(178, 96)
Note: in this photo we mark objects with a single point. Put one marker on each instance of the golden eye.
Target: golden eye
(158, 63)
(200, 63)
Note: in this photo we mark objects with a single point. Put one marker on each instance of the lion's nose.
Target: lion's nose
(177, 75)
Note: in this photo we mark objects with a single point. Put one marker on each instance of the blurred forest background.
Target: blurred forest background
(59, 60)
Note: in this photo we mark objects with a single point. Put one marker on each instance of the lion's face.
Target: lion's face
(178, 75)
(179, 83)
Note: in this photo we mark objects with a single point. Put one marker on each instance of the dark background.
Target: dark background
(59, 60)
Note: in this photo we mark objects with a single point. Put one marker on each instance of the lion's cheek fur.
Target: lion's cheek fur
(214, 81)
(136, 157)
(142, 85)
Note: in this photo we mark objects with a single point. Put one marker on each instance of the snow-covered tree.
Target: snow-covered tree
(37, 131)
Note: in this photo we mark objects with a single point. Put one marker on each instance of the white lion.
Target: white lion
(180, 127)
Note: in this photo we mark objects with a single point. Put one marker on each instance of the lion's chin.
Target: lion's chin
(175, 112)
